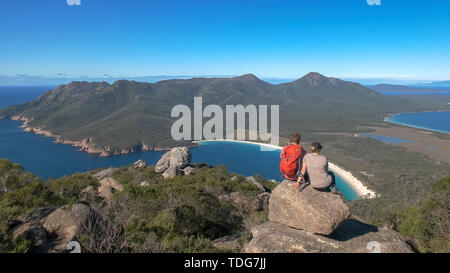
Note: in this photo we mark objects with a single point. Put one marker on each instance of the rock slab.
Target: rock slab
(309, 210)
(351, 237)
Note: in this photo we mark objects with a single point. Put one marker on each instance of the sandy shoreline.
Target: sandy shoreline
(360, 189)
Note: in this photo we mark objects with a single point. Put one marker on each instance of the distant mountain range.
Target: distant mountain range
(436, 84)
(27, 80)
(61, 78)
(405, 89)
(128, 115)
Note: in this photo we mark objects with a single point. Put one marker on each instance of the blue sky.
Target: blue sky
(269, 38)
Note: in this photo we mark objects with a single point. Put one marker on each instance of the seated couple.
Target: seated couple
(306, 168)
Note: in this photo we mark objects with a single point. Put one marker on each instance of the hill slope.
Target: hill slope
(128, 115)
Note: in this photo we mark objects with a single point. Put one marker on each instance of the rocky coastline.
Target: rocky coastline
(87, 144)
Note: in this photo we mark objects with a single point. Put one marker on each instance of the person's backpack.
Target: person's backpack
(290, 156)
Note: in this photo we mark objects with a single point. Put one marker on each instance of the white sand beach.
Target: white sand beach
(350, 179)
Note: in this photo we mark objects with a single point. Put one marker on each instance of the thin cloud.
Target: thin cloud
(73, 2)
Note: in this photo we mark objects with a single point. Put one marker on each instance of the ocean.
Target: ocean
(433, 121)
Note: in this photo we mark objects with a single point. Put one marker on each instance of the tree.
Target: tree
(8, 170)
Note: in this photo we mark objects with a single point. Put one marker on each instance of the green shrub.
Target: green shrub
(429, 224)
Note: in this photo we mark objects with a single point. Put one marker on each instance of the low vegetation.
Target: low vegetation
(428, 225)
(183, 214)
(187, 213)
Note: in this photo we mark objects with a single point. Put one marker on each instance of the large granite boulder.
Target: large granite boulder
(65, 223)
(108, 186)
(30, 228)
(310, 210)
(351, 237)
(50, 229)
(173, 161)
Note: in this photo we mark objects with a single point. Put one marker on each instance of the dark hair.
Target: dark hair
(316, 147)
(295, 138)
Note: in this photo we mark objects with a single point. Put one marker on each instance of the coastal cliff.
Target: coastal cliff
(87, 144)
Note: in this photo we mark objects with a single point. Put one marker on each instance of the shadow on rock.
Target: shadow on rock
(350, 229)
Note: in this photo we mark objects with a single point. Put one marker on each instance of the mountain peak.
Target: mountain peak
(248, 77)
(315, 78)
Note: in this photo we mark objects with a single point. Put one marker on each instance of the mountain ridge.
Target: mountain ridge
(127, 116)
(403, 88)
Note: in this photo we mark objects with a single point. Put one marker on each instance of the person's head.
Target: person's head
(295, 138)
(316, 147)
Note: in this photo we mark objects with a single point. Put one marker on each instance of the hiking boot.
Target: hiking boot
(303, 185)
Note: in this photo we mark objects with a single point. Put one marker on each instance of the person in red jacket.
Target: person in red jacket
(292, 158)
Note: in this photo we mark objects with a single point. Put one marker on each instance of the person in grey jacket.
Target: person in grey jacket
(317, 167)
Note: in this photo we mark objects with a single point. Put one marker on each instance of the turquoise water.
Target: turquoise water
(387, 139)
(247, 159)
(434, 121)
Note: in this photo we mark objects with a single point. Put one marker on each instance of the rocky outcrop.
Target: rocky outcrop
(87, 144)
(261, 202)
(317, 222)
(172, 162)
(247, 204)
(230, 242)
(351, 237)
(105, 173)
(107, 187)
(49, 229)
(310, 210)
(88, 194)
(30, 228)
(65, 223)
(253, 180)
(139, 164)
(188, 170)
